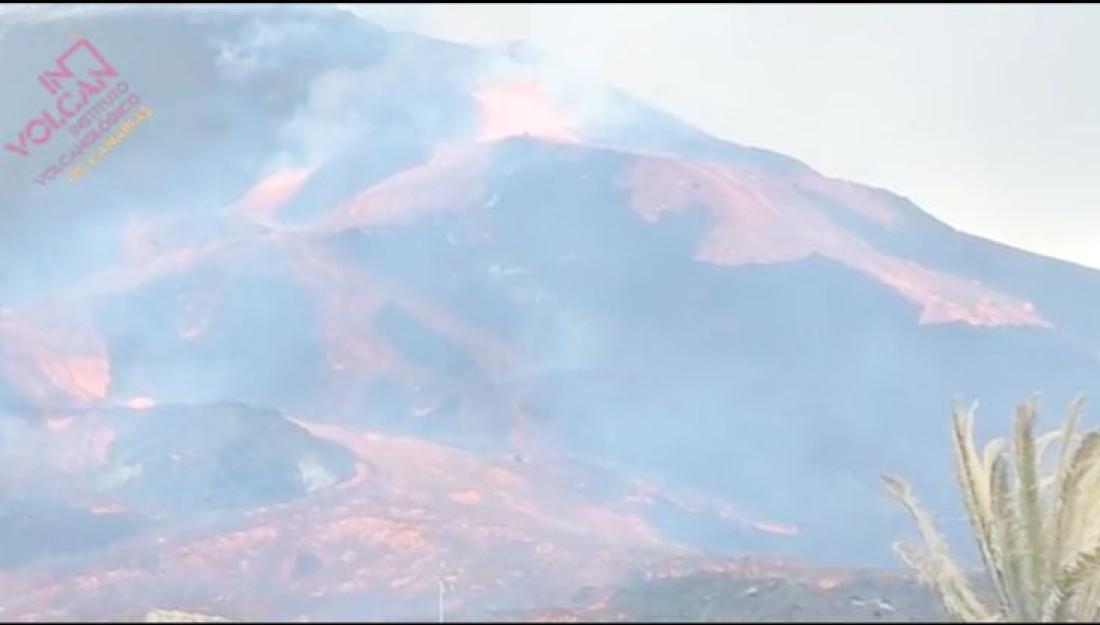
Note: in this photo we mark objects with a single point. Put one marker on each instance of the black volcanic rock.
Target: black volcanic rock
(220, 456)
(34, 525)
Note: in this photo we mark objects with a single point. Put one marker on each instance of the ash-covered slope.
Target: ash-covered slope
(382, 231)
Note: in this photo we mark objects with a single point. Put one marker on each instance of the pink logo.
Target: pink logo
(91, 102)
(81, 74)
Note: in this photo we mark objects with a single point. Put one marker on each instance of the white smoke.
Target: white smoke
(326, 124)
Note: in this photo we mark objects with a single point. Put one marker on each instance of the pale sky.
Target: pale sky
(986, 116)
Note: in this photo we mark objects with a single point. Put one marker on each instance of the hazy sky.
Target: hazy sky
(986, 116)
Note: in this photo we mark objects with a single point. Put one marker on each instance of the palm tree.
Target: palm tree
(1035, 520)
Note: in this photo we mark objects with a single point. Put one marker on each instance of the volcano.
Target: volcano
(355, 311)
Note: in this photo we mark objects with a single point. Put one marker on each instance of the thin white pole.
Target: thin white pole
(441, 600)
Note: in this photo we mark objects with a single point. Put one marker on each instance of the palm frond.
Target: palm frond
(938, 564)
(1028, 501)
(976, 487)
(1033, 521)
